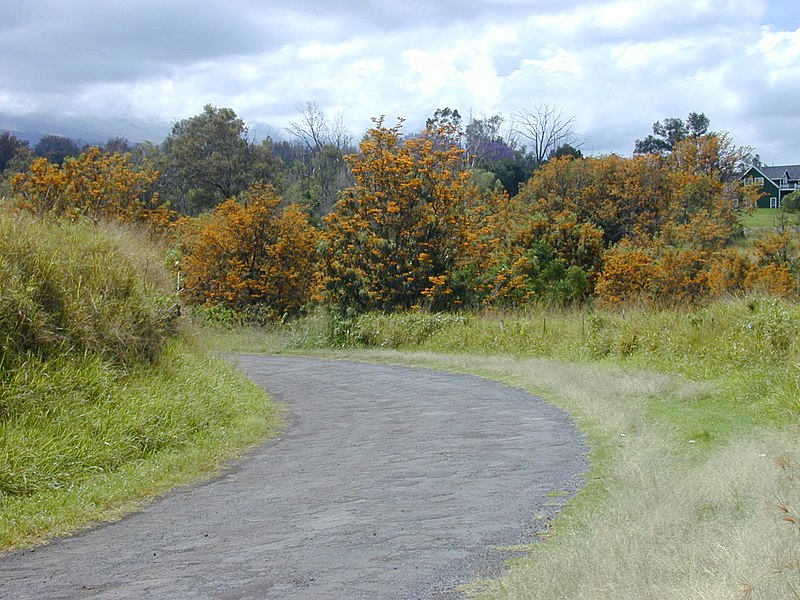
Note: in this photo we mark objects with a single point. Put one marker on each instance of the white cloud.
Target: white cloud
(617, 65)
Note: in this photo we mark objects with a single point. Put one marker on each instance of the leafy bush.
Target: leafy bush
(253, 257)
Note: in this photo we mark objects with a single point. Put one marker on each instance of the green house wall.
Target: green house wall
(768, 190)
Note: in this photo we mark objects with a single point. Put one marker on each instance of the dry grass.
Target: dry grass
(662, 515)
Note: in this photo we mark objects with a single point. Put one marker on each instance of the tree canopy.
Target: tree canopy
(209, 159)
(673, 130)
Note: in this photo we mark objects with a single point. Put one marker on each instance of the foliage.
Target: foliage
(666, 275)
(488, 148)
(439, 220)
(542, 257)
(56, 148)
(666, 135)
(208, 159)
(567, 150)
(791, 202)
(10, 146)
(624, 198)
(484, 142)
(627, 275)
(667, 222)
(396, 237)
(94, 185)
(713, 155)
(252, 256)
(776, 264)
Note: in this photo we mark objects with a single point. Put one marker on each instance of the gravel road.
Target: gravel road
(388, 482)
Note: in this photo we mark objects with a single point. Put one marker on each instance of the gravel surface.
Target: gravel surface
(387, 482)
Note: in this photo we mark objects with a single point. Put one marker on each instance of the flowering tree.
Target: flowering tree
(253, 256)
(95, 185)
(395, 238)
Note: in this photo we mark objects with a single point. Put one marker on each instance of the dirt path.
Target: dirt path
(387, 483)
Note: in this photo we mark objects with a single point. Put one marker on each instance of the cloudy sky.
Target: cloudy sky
(134, 67)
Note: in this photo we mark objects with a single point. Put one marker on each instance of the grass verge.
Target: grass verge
(103, 403)
(113, 440)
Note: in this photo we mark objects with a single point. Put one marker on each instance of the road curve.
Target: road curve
(388, 482)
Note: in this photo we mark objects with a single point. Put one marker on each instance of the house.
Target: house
(775, 183)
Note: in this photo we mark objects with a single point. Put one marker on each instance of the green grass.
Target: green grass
(692, 418)
(762, 217)
(80, 288)
(102, 404)
(93, 443)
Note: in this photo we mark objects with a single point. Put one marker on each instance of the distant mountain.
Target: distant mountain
(88, 131)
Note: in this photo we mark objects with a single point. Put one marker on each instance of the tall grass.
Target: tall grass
(94, 441)
(79, 288)
(101, 404)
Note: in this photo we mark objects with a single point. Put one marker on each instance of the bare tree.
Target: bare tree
(544, 130)
(320, 170)
(338, 135)
(314, 130)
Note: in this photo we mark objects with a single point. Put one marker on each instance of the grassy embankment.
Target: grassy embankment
(692, 417)
(102, 403)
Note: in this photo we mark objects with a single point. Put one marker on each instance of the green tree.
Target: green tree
(117, 145)
(208, 159)
(444, 128)
(666, 135)
(791, 202)
(55, 148)
(10, 146)
(567, 150)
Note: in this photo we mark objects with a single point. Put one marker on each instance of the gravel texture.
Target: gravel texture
(388, 482)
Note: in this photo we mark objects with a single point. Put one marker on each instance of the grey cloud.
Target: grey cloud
(69, 43)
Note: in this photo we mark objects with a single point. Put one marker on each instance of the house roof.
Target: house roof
(775, 173)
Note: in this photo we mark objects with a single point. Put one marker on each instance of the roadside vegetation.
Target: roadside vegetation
(102, 403)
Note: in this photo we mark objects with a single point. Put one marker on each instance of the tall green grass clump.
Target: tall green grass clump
(103, 402)
(79, 289)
